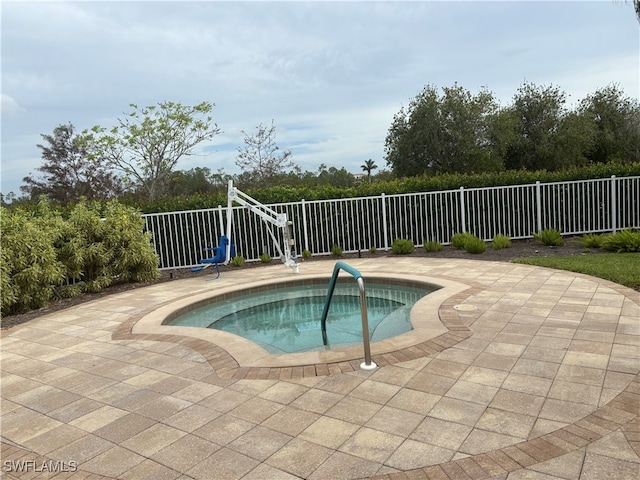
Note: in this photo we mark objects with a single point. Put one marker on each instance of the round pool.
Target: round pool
(286, 318)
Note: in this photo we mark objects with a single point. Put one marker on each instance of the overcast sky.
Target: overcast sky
(330, 74)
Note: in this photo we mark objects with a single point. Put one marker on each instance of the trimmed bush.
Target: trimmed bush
(336, 251)
(402, 246)
(474, 245)
(432, 246)
(265, 258)
(592, 240)
(421, 183)
(623, 241)
(373, 250)
(459, 239)
(306, 254)
(550, 237)
(500, 242)
(468, 242)
(237, 261)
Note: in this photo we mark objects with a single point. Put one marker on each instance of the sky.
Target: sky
(330, 75)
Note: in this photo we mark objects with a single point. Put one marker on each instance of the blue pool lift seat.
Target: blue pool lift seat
(219, 255)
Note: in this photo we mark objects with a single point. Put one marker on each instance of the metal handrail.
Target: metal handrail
(367, 364)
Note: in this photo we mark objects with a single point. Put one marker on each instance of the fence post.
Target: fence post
(222, 228)
(385, 230)
(614, 208)
(304, 225)
(463, 213)
(538, 205)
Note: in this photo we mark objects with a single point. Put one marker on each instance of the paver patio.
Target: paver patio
(519, 372)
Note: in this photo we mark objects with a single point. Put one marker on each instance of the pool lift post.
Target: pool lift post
(270, 217)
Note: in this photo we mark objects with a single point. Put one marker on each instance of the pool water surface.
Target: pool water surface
(287, 320)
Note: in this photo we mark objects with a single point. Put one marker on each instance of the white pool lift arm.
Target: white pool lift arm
(267, 215)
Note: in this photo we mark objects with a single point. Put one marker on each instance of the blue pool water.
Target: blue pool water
(287, 320)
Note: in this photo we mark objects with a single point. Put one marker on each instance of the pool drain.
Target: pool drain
(465, 308)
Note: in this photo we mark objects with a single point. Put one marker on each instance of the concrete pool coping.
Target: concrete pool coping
(425, 320)
(544, 385)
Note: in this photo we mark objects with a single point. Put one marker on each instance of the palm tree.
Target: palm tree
(368, 166)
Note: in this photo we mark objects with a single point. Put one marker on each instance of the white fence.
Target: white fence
(573, 208)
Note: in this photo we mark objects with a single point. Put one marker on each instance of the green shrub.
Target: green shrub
(373, 250)
(592, 240)
(432, 246)
(402, 246)
(306, 254)
(623, 241)
(29, 267)
(458, 240)
(83, 251)
(8, 291)
(474, 244)
(95, 246)
(134, 259)
(265, 258)
(336, 251)
(550, 237)
(237, 261)
(500, 242)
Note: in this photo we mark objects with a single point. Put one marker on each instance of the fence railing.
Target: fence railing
(358, 224)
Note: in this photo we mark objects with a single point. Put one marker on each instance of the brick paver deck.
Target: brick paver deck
(533, 373)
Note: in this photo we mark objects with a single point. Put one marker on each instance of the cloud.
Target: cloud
(9, 106)
(330, 74)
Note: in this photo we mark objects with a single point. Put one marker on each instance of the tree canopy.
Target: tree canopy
(260, 157)
(67, 174)
(458, 132)
(147, 144)
(546, 135)
(443, 133)
(616, 119)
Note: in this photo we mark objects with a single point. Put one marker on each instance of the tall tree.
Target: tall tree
(368, 166)
(69, 171)
(546, 135)
(443, 133)
(261, 159)
(617, 120)
(147, 144)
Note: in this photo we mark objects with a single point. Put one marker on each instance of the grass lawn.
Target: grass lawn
(622, 268)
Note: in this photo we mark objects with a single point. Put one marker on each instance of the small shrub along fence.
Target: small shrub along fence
(374, 222)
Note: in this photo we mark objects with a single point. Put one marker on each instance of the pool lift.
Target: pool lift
(271, 218)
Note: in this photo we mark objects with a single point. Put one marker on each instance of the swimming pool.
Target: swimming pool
(287, 319)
